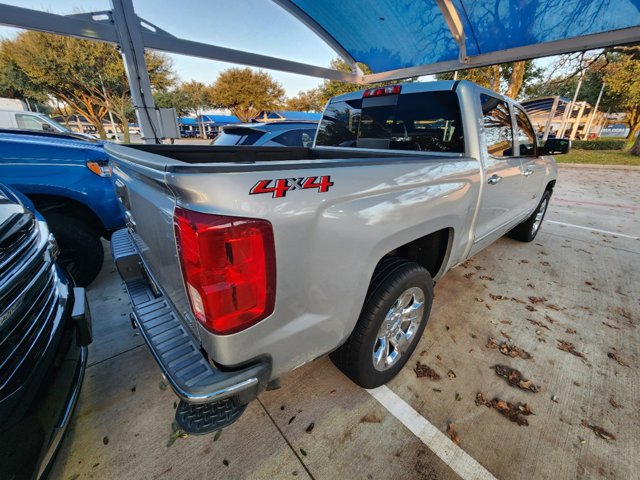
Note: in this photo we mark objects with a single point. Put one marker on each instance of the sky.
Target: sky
(258, 26)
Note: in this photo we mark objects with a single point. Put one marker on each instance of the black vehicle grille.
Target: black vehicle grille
(28, 303)
(20, 236)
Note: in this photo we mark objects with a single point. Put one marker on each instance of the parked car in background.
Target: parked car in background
(45, 328)
(68, 180)
(32, 121)
(243, 262)
(272, 134)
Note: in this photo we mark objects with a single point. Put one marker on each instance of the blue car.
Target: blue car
(68, 180)
(272, 134)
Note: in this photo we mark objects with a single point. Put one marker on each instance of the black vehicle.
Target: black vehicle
(45, 328)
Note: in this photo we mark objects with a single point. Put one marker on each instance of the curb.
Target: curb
(598, 167)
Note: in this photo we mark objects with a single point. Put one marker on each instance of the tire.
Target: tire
(81, 251)
(363, 358)
(527, 230)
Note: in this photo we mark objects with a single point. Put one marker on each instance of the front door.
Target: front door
(533, 166)
(501, 195)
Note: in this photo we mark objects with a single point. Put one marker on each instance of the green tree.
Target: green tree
(247, 92)
(306, 101)
(87, 76)
(622, 75)
(194, 97)
(507, 78)
(174, 98)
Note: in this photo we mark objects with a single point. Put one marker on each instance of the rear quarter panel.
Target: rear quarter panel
(327, 244)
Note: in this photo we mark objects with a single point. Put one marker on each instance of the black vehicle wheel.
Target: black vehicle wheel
(391, 323)
(81, 251)
(527, 230)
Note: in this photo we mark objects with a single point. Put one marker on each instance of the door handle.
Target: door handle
(527, 172)
(493, 179)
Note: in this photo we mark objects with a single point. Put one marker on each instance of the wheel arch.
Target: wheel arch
(430, 251)
(64, 205)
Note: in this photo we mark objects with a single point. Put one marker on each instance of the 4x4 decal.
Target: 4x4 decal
(278, 188)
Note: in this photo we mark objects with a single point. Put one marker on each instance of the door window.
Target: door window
(526, 136)
(498, 130)
(287, 139)
(31, 122)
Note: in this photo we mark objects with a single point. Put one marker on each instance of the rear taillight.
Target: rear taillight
(229, 270)
(379, 91)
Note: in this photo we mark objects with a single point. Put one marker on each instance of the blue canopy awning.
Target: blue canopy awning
(391, 35)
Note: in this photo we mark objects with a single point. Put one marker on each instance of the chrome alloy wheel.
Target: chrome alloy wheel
(539, 215)
(398, 328)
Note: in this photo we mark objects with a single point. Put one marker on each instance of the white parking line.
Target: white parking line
(456, 458)
(594, 230)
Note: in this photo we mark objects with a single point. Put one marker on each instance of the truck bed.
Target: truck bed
(172, 158)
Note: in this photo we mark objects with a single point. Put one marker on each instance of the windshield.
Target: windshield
(428, 121)
(237, 136)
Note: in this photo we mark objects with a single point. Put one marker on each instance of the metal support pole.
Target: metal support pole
(129, 32)
(595, 110)
(552, 115)
(576, 125)
(566, 116)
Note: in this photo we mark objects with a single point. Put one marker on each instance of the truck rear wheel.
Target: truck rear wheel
(391, 323)
(527, 230)
(81, 251)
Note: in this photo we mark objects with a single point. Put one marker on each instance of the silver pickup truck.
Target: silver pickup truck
(244, 263)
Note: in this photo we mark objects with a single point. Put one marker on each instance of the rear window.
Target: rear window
(237, 136)
(428, 121)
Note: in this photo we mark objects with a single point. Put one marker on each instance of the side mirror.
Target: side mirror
(556, 146)
(47, 128)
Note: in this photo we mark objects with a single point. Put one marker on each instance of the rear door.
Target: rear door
(501, 197)
(533, 166)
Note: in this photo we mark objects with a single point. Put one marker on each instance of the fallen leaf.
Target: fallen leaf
(515, 413)
(531, 308)
(225, 462)
(599, 431)
(176, 433)
(515, 379)
(309, 429)
(506, 322)
(217, 436)
(478, 267)
(611, 326)
(452, 434)
(370, 418)
(537, 323)
(614, 356)
(517, 300)
(291, 420)
(509, 350)
(545, 264)
(458, 397)
(486, 277)
(469, 275)
(303, 452)
(423, 370)
(614, 404)
(554, 398)
(554, 307)
(497, 297)
(505, 335)
(163, 385)
(549, 319)
(105, 440)
(568, 347)
(536, 300)
(437, 390)
(589, 283)
(451, 374)
(531, 285)
(570, 330)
